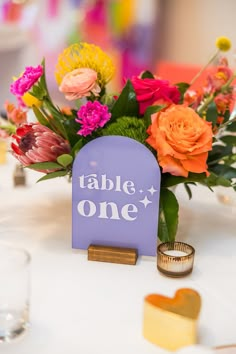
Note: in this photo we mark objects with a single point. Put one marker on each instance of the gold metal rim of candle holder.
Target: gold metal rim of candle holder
(175, 266)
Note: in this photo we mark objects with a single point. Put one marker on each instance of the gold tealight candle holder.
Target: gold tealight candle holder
(175, 259)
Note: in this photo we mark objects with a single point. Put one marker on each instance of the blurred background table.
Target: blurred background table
(90, 307)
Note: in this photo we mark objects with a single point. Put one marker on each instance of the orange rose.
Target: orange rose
(182, 140)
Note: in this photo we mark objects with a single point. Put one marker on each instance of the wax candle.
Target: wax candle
(175, 253)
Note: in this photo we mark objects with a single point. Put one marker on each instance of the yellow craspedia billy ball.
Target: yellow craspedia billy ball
(223, 43)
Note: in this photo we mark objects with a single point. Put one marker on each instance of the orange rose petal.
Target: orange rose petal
(171, 165)
(196, 163)
(151, 141)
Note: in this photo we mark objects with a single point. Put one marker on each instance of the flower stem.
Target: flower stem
(226, 86)
(201, 109)
(204, 67)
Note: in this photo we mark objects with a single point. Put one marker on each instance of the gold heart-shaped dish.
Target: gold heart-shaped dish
(171, 323)
(186, 302)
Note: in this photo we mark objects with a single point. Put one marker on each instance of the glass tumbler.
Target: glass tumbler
(14, 292)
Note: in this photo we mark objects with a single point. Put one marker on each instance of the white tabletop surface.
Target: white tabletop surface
(86, 307)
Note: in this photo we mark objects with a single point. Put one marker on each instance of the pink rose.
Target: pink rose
(149, 91)
(79, 83)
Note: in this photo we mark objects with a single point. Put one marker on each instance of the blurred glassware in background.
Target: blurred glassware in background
(15, 292)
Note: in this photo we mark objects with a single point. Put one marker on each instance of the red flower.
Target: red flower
(149, 91)
(37, 143)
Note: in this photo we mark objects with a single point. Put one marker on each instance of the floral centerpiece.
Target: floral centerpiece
(188, 130)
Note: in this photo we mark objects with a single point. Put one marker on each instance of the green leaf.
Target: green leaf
(42, 81)
(229, 140)
(217, 153)
(65, 160)
(44, 166)
(168, 216)
(126, 104)
(78, 146)
(232, 126)
(53, 175)
(40, 116)
(72, 128)
(223, 174)
(168, 180)
(182, 87)
(147, 75)
(188, 190)
(38, 92)
(212, 114)
(56, 120)
(149, 111)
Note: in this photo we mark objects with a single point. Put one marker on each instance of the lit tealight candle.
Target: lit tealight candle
(175, 259)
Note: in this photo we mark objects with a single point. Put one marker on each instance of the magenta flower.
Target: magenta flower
(36, 143)
(26, 81)
(92, 115)
(154, 91)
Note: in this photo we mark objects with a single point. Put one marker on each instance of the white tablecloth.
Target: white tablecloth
(86, 307)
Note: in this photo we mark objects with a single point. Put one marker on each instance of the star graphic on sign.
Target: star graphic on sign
(152, 190)
(145, 201)
(141, 191)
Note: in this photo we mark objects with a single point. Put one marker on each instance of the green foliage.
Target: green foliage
(148, 113)
(131, 127)
(42, 119)
(126, 104)
(53, 175)
(147, 75)
(182, 87)
(76, 148)
(217, 153)
(168, 216)
(212, 114)
(65, 160)
(232, 126)
(229, 140)
(45, 166)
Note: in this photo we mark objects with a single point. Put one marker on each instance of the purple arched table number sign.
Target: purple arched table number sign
(115, 195)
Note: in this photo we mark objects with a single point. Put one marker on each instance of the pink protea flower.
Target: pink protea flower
(79, 83)
(36, 143)
(27, 80)
(92, 115)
